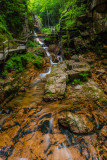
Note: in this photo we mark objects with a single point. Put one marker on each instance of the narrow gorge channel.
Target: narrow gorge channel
(35, 135)
(53, 80)
(53, 130)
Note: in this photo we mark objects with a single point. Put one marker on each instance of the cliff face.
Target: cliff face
(15, 19)
(89, 31)
(98, 9)
(26, 29)
(99, 4)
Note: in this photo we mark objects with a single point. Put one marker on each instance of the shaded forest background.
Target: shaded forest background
(81, 23)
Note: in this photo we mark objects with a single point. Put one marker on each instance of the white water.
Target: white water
(47, 137)
(59, 57)
(60, 152)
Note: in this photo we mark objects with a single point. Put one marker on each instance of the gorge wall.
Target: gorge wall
(89, 31)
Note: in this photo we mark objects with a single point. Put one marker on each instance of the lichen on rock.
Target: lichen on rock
(56, 84)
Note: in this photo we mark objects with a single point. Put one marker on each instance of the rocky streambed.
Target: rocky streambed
(62, 117)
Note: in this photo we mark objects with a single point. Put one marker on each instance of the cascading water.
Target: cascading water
(38, 131)
(59, 57)
(34, 132)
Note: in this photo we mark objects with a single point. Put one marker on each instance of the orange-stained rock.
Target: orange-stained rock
(104, 131)
(77, 123)
(32, 131)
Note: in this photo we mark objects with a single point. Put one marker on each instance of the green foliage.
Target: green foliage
(3, 27)
(105, 54)
(19, 62)
(50, 94)
(67, 80)
(4, 74)
(12, 17)
(48, 10)
(62, 14)
(105, 19)
(71, 12)
(4, 33)
(14, 13)
(47, 39)
(105, 156)
(46, 30)
(84, 76)
(92, 66)
(65, 94)
(77, 81)
(31, 44)
(69, 15)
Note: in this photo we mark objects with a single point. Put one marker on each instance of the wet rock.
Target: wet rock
(22, 158)
(89, 61)
(3, 118)
(1, 111)
(7, 111)
(54, 58)
(56, 83)
(87, 91)
(75, 58)
(80, 42)
(101, 71)
(99, 14)
(96, 3)
(104, 131)
(76, 123)
(53, 49)
(93, 114)
(69, 64)
(78, 68)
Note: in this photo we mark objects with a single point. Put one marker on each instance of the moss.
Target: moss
(19, 62)
(49, 82)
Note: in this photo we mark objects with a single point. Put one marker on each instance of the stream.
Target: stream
(40, 131)
(33, 132)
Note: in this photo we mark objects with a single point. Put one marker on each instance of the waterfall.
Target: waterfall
(48, 70)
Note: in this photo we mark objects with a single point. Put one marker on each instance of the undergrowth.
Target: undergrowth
(19, 62)
(83, 78)
(46, 30)
(31, 44)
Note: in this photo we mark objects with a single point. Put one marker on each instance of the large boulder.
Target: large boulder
(98, 8)
(56, 83)
(87, 91)
(53, 48)
(77, 123)
(76, 68)
(99, 24)
(80, 43)
(89, 112)
(101, 4)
